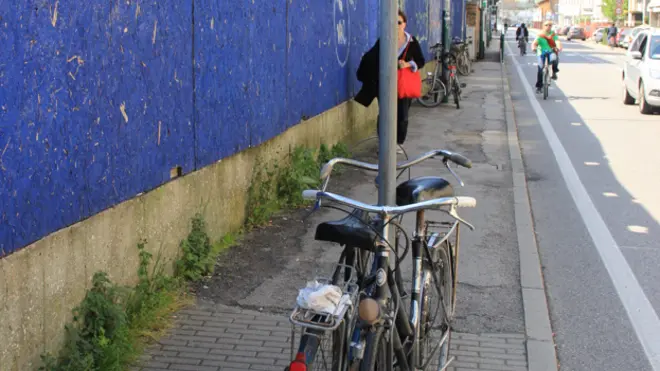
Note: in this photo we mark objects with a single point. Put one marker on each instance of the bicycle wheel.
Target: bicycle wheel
(435, 92)
(376, 352)
(436, 314)
(463, 63)
(456, 93)
(467, 59)
(546, 82)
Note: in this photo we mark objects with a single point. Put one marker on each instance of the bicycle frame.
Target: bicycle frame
(405, 333)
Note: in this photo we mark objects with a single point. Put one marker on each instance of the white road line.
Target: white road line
(640, 311)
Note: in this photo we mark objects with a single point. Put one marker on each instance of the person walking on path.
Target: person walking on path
(409, 56)
(612, 31)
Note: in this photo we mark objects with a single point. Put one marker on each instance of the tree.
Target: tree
(609, 10)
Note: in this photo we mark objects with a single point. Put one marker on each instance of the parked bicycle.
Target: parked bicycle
(459, 52)
(436, 89)
(455, 86)
(372, 329)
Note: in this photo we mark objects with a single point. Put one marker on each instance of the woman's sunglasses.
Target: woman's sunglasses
(400, 23)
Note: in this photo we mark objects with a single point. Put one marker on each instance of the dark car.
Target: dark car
(564, 30)
(576, 33)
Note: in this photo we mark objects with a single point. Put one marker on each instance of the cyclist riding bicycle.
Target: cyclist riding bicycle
(546, 46)
(522, 31)
(522, 37)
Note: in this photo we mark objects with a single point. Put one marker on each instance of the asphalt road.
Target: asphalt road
(592, 170)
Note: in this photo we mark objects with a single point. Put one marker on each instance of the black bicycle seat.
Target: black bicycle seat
(352, 231)
(422, 189)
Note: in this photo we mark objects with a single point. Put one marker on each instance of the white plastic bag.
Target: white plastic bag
(322, 298)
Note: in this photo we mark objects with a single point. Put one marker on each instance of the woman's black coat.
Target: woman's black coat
(368, 70)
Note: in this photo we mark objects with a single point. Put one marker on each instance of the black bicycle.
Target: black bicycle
(379, 333)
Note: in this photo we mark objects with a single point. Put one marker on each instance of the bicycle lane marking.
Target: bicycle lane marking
(641, 313)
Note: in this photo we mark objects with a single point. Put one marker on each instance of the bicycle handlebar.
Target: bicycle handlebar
(447, 155)
(436, 203)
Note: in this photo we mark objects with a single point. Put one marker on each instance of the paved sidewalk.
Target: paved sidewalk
(233, 339)
(247, 328)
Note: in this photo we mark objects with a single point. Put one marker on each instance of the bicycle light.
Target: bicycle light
(369, 310)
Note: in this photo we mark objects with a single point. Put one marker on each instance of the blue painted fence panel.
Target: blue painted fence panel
(99, 100)
(417, 13)
(96, 101)
(458, 18)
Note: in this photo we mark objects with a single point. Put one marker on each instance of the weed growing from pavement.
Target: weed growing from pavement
(113, 323)
(198, 253)
(282, 186)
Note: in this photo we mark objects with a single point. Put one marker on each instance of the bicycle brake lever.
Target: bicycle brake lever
(453, 173)
(454, 215)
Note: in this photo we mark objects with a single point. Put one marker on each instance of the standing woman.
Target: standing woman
(409, 56)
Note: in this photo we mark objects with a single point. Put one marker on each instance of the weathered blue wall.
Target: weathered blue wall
(99, 100)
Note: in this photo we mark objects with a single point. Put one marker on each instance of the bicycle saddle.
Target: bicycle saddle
(352, 231)
(422, 189)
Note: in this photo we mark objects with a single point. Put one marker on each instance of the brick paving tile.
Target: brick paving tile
(231, 339)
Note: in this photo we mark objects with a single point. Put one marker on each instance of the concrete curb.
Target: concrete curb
(541, 354)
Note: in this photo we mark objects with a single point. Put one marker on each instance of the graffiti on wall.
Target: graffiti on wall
(342, 20)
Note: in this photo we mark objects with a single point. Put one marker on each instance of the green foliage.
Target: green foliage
(262, 202)
(303, 173)
(196, 260)
(609, 11)
(282, 186)
(112, 323)
(198, 254)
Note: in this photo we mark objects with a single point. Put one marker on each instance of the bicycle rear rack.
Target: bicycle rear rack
(309, 318)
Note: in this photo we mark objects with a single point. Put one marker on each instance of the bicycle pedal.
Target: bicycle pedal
(463, 85)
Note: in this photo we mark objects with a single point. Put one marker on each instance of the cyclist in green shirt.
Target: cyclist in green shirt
(546, 44)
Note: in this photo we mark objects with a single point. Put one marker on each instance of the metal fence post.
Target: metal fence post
(502, 47)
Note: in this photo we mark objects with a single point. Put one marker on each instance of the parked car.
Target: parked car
(622, 38)
(563, 31)
(633, 34)
(641, 71)
(598, 35)
(576, 33)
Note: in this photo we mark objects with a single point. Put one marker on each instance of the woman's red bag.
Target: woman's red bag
(409, 83)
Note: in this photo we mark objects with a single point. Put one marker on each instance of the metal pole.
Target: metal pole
(446, 43)
(644, 13)
(387, 102)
